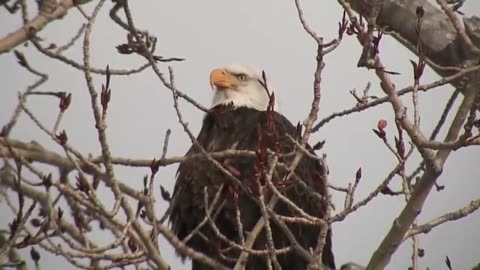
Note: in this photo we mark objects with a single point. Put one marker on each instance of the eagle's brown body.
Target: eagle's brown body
(241, 128)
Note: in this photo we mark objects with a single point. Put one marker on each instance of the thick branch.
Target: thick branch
(452, 216)
(443, 46)
(36, 24)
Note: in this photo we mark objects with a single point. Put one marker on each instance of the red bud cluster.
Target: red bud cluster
(343, 25)
(145, 185)
(376, 42)
(21, 59)
(319, 145)
(165, 194)
(154, 166)
(351, 30)
(47, 180)
(448, 263)
(421, 252)
(440, 187)
(65, 101)
(387, 191)
(358, 175)
(299, 130)
(59, 215)
(380, 131)
(106, 91)
(420, 11)
(82, 184)
(131, 245)
(77, 219)
(382, 124)
(62, 138)
(52, 46)
(400, 147)
(124, 49)
(35, 255)
(418, 68)
(13, 227)
(36, 222)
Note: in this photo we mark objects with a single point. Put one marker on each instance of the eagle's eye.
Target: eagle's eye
(241, 77)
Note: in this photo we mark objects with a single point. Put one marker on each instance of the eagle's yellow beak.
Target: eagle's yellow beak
(222, 79)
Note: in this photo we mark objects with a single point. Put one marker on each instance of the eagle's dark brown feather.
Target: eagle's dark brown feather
(224, 128)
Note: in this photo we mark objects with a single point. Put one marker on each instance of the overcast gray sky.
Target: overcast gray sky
(266, 34)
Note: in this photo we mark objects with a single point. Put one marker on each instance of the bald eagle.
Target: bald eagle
(240, 118)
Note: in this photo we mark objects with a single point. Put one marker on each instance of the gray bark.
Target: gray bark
(440, 40)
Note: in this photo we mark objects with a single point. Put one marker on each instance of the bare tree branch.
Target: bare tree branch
(34, 26)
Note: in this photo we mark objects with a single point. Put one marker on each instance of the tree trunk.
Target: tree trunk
(441, 43)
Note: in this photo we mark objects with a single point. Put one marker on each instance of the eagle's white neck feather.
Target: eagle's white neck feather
(238, 99)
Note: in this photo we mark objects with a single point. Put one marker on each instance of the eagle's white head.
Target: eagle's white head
(240, 85)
